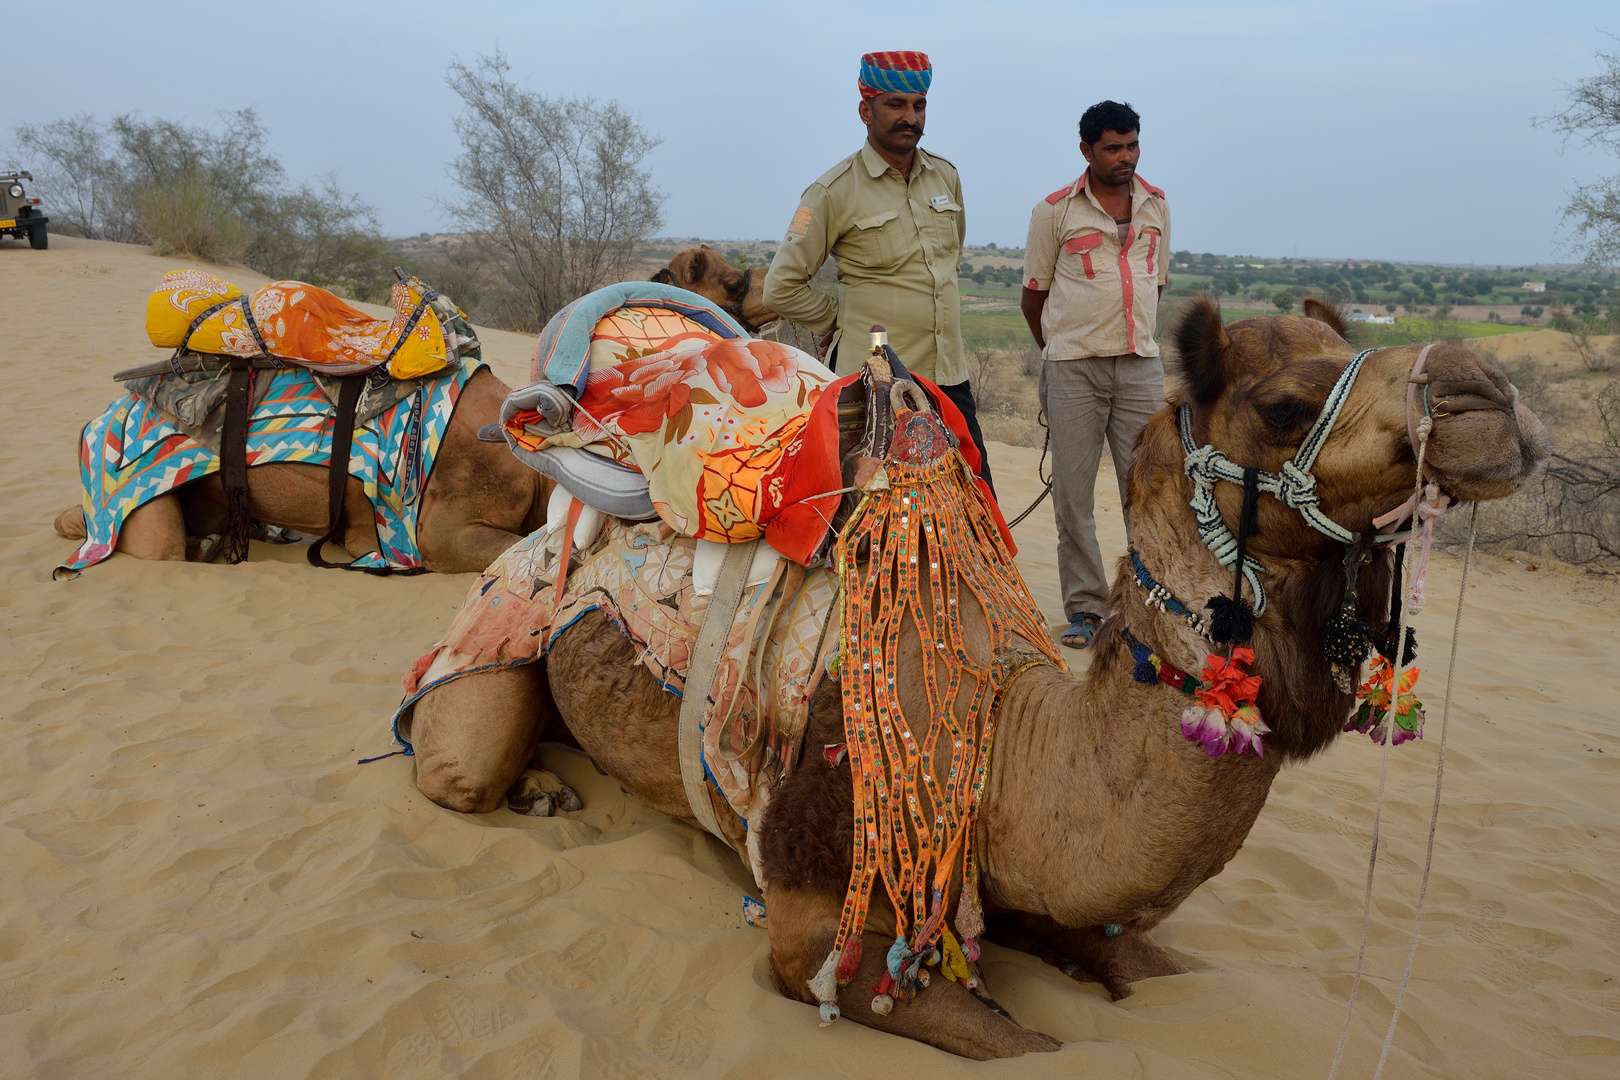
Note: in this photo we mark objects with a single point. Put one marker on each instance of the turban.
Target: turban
(901, 72)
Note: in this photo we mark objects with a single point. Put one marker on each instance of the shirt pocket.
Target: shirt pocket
(944, 224)
(1146, 247)
(1084, 246)
(871, 241)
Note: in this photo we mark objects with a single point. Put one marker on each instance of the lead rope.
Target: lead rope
(1424, 427)
(1434, 811)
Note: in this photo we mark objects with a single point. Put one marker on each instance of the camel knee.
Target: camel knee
(69, 524)
(454, 788)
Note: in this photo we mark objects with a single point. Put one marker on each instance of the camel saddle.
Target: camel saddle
(215, 329)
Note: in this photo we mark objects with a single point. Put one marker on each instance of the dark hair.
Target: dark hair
(1108, 116)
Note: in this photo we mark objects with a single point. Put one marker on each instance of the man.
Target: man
(891, 216)
(1095, 263)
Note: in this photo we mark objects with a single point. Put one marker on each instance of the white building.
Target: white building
(1534, 286)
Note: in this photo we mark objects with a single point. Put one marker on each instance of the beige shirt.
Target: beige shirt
(1104, 291)
(897, 245)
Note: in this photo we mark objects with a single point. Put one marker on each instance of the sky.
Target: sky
(1374, 130)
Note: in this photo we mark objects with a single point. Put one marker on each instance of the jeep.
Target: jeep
(19, 215)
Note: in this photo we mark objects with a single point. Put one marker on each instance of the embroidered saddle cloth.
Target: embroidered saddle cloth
(640, 576)
(133, 452)
(310, 327)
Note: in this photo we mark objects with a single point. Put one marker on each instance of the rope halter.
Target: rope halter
(1293, 485)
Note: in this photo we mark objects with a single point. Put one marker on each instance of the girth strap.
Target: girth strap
(233, 532)
(348, 402)
(700, 672)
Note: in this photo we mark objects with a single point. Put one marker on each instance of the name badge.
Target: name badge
(939, 200)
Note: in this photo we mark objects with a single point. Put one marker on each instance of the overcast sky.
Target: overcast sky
(1368, 130)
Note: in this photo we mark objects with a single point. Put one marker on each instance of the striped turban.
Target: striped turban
(902, 72)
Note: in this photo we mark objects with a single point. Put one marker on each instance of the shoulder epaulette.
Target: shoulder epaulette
(1151, 190)
(941, 157)
(826, 178)
(1064, 192)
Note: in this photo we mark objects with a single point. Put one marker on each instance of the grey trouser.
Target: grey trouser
(1085, 400)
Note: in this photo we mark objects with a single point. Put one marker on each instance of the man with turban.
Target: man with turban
(891, 217)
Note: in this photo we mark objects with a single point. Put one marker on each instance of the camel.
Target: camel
(1100, 817)
(741, 293)
(479, 501)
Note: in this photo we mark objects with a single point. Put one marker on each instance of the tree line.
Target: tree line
(552, 199)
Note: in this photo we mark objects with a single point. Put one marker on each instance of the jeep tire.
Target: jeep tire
(38, 238)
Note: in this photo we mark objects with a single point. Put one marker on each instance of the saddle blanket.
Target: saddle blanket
(132, 453)
(640, 576)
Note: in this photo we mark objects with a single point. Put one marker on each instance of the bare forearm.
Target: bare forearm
(1032, 303)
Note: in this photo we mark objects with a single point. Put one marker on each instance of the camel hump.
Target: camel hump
(1151, 190)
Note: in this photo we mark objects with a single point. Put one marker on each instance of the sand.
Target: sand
(199, 880)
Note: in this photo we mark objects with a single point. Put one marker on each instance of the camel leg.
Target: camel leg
(69, 524)
(469, 548)
(475, 736)
(1116, 962)
(157, 530)
(802, 927)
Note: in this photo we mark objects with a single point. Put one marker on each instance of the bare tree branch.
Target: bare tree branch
(556, 185)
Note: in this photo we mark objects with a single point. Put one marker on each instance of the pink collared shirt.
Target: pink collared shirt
(1104, 293)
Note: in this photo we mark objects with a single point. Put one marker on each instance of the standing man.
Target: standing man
(1094, 266)
(891, 216)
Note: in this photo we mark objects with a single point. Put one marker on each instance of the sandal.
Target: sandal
(1082, 628)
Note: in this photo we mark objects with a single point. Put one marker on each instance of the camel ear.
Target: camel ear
(1200, 342)
(664, 277)
(1323, 312)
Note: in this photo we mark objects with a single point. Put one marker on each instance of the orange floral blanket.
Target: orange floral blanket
(309, 326)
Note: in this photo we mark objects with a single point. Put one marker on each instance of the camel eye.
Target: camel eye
(1286, 415)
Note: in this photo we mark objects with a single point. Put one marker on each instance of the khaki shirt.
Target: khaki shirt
(897, 246)
(1104, 295)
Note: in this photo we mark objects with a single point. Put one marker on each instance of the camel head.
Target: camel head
(708, 273)
(1254, 392)
(1256, 387)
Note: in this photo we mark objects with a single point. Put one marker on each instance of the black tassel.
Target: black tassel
(1387, 649)
(1347, 639)
(1231, 619)
(1397, 596)
(1231, 622)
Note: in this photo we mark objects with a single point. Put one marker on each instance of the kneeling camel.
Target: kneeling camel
(1098, 811)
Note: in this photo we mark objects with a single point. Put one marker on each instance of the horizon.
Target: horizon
(1392, 133)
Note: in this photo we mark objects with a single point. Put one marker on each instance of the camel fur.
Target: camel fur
(708, 273)
(1097, 811)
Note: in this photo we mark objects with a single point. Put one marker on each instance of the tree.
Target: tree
(1283, 300)
(211, 193)
(1592, 117)
(554, 185)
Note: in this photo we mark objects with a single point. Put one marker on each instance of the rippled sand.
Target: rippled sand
(199, 880)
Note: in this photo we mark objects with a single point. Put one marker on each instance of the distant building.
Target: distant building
(1363, 317)
(1534, 286)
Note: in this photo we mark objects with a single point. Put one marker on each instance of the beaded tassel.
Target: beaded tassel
(929, 538)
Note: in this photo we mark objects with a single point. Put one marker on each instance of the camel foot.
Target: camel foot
(1116, 961)
(69, 524)
(944, 1014)
(539, 793)
(202, 548)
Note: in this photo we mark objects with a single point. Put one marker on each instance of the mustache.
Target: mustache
(903, 126)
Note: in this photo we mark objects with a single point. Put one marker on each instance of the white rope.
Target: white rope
(1434, 811)
(1424, 427)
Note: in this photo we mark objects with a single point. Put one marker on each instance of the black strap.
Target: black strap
(233, 532)
(348, 401)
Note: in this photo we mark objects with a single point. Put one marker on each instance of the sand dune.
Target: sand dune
(199, 880)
